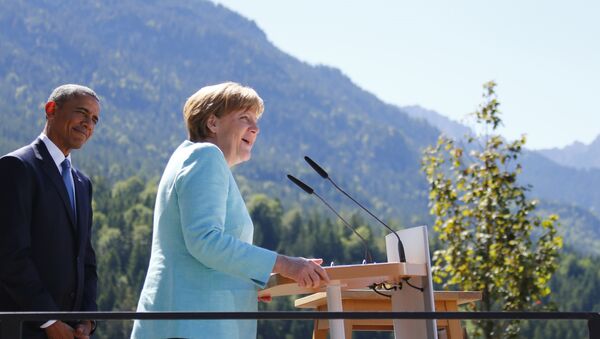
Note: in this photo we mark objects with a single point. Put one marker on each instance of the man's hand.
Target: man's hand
(306, 272)
(59, 330)
(83, 329)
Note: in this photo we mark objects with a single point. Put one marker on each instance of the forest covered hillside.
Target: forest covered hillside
(145, 59)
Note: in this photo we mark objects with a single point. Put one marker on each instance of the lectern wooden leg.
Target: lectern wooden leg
(454, 329)
(348, 328)
(334, 304)
(319, 333)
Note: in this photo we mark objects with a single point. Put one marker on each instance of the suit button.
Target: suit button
(72, 295)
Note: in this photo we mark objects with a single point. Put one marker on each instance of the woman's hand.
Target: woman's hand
(306, 272)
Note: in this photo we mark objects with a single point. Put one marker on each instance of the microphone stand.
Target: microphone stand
(325, 175)
(309, 190)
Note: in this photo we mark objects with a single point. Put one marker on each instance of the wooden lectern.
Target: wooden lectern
(369, 301)
(351, 277)
(344, 278)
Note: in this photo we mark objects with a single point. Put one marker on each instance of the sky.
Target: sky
(544, 55)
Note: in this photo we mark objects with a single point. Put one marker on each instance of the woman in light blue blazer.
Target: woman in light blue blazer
(202, 254)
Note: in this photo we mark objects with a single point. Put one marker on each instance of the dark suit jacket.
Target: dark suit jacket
(47, 262)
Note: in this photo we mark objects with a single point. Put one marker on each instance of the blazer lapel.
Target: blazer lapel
(41, 152)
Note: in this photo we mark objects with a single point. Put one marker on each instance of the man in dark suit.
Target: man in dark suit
(47, 262)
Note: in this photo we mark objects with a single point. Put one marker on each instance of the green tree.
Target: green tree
(574, 289)
(266, 215)
(492, 242)
(122, 238)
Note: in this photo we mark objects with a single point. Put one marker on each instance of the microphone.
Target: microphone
(309, 190)
(324, 175)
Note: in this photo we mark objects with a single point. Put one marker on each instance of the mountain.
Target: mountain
(449, 127)
(144, 58)
(561, 178)
(577, 155)
(560, 184)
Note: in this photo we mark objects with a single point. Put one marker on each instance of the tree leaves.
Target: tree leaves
(485, 222)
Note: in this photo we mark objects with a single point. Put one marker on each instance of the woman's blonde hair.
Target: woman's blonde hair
(220, 100)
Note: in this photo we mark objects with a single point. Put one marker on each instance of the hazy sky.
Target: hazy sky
(544, 55)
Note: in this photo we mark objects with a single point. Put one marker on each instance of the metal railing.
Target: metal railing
(12, 322)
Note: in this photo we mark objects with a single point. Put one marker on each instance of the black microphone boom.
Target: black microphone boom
(309, 190)
(324, 175)
(300, 184)
(317, 168)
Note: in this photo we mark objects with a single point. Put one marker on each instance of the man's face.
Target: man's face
(70, 124)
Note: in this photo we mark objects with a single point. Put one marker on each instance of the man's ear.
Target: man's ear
(211, 123)
(50, 109)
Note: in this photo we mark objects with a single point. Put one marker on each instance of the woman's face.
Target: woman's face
(235, 134)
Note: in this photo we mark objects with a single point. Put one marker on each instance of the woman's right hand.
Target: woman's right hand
(306, 272)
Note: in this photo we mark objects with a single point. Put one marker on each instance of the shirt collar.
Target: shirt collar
(56, 154)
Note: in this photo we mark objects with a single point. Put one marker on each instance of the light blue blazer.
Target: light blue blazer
(202, 254)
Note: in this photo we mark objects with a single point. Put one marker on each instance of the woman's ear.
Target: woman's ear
(212, 123)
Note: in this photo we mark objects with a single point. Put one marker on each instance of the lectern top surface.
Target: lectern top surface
(348, 276)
